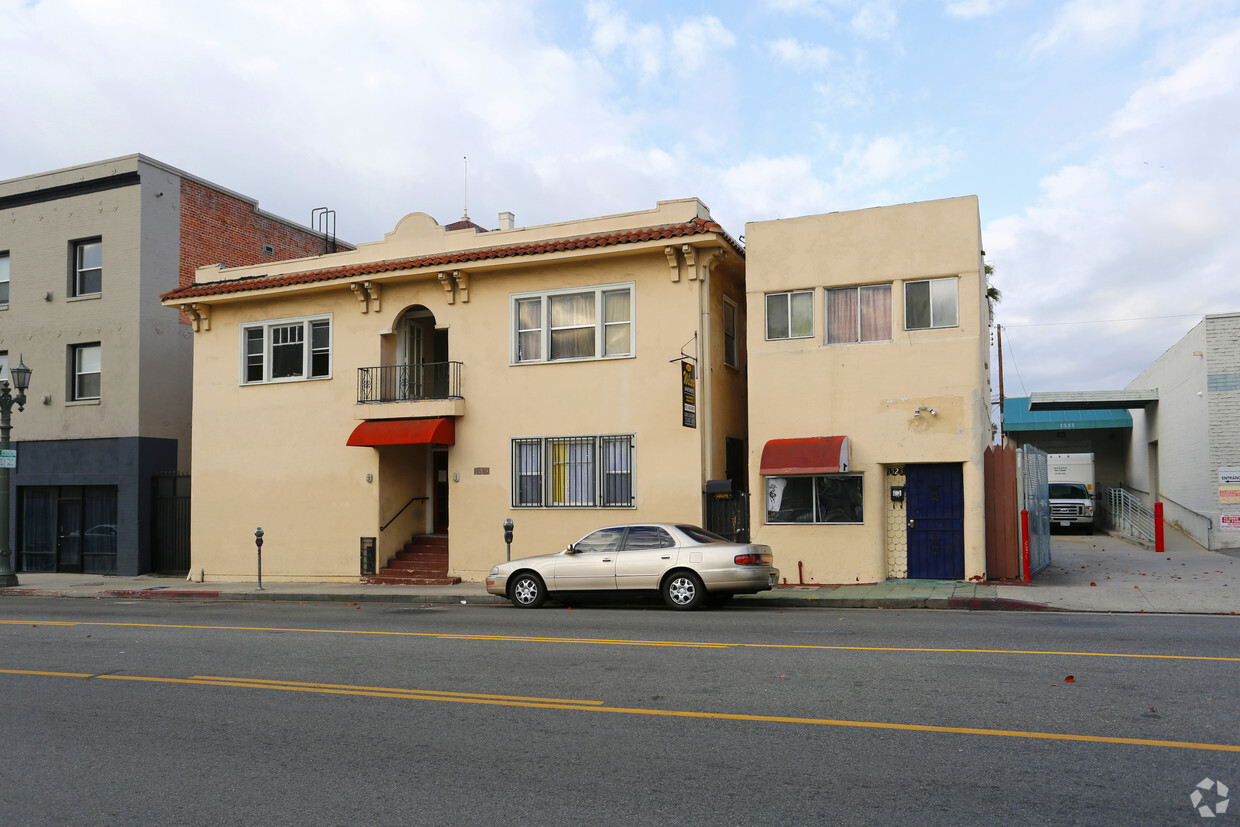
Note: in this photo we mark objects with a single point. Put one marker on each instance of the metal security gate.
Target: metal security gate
(935, 510)
(170, 523)
(727, 515)
(1035, 492)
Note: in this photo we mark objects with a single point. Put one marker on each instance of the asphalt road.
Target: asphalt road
(142, 712)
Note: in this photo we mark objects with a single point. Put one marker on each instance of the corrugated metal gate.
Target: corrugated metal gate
(170, 523)
(1034, 496)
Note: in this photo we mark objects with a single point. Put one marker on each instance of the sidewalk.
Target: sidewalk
(1087, 574)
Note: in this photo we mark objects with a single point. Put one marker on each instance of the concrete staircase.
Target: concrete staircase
(422, 562)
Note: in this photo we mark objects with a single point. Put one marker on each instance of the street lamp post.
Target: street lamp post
(21, 381)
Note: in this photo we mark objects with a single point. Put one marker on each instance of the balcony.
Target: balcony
(399, 391)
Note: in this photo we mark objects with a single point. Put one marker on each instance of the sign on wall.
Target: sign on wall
(8, 458)
(1229, 485)
(1229, 522)
(688, 385)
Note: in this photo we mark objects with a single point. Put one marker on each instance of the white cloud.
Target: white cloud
(792, 52)
(872, 19)
(686, 49)
(968, 9)
(695, 41)
(1144, 229)
(1092, 23)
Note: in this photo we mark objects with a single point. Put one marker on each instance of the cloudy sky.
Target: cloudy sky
(1101, 136)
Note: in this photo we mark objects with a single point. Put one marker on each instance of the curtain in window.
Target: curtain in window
(99, 529)
(529, 330)
(617, 322)
(875, 306)
(36, 543)
(841, 315)
(617, 471)
(572, 472)
(528, 461)
(572, 326)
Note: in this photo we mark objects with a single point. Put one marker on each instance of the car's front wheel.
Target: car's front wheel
(527, 591)
(683, 590)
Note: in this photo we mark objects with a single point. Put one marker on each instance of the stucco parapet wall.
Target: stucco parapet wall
(697, 229)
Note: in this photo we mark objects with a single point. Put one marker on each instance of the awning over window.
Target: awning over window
(812, 455)
(376, 432)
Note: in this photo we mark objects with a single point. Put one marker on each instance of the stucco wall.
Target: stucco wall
(275, 455)
(870, 391)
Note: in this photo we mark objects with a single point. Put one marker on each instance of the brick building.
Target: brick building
(85, 253)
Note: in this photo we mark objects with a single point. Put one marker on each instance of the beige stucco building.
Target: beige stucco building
(869, 392)
(444, 379)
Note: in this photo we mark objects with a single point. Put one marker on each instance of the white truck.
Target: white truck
(1071, 481)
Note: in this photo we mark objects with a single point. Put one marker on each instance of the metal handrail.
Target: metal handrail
(1127, 514)
(402, 511)
(409, 383)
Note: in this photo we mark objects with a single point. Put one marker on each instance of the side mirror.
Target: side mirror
(572, 549)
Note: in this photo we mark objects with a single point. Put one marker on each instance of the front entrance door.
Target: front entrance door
(439, 462)
(69, 530)
(935, 508)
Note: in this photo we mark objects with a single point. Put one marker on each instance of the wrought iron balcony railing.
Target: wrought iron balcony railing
(409, 383)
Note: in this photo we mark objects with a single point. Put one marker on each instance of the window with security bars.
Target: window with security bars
(572, 472)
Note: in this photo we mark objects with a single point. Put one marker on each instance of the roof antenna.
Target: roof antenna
(466, 216)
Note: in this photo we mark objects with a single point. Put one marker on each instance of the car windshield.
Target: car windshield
(701, 535)
(1068, 491)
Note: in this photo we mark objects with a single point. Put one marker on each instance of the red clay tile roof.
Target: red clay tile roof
(248, 283)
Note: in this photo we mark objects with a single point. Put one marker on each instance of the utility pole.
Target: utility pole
(999, 335)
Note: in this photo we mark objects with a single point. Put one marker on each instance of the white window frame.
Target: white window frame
(600, 324)
(78, 351)
(588, 468)
(856, 289)
(935, 286)
(79, 271)
(4, 365)
(267, 332)
(731, 331)
(790, 294)
(816, 518)
(6, 269)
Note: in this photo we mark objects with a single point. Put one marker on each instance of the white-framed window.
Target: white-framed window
(4, 365)
(4, 277)
(574, 323)
(573, 472)
(859, 314)
(87, 371)
(286, 350)
(730, 326)
(930, 303)
(790, 315)
(87, 267)
(825, 498)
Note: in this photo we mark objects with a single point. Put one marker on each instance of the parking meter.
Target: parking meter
(508, 524)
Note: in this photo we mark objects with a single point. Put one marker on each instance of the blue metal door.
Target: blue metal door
(935, 506)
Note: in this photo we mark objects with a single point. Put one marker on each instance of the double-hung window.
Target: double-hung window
(4, 279)
(859, 314)
(930, 303)
(87, 267)
(588, 323)
(87, 371)
(827, 498)
(790, 315)
(4, 365)
(286, 350)
(573, 472)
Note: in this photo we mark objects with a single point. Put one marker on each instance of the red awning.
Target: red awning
(812, 455)
(376, 432)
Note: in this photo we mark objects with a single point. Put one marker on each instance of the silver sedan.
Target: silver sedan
(687, 565)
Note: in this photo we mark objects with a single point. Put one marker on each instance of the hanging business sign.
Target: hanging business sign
(688, 386)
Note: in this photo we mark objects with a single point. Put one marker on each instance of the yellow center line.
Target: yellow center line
(583, 706)
(628, 642)
(260, 682)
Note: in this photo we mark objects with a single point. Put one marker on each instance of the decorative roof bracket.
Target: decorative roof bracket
(199, 316)
(672, 261)
(462, 283)
(446, 280)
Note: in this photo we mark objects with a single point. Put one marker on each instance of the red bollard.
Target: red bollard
(1024, 546)
(1158, 528)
